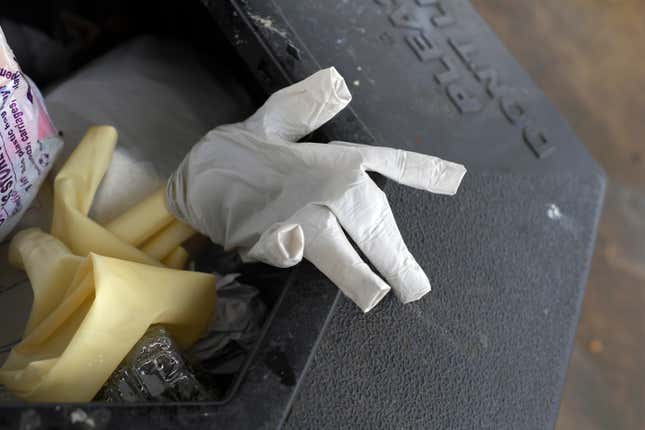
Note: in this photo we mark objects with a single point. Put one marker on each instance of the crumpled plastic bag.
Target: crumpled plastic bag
(238, 317)
(241, 312)
(29, 142)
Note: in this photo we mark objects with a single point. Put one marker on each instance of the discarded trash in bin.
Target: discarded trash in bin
(89, 312)
(89, 309)
(154, 370)
(234, 329)
(143, 158)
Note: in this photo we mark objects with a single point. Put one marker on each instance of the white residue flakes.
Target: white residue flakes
(268, 24)
(80, 416)
(553, 212)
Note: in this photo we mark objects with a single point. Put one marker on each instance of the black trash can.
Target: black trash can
(507, 257)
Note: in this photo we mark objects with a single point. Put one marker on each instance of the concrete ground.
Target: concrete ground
(587, 57)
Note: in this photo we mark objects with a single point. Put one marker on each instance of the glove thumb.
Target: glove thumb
(281, 245)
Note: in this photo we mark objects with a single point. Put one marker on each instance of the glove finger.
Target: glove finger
(297, 110)
(330, 251)
(365, 214)
(409, 168)
(281, 245)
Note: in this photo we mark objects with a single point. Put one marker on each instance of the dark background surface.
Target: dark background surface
(488, 347)
(587, 57)
(525, 371)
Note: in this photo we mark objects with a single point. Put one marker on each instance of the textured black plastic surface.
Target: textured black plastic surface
(426, 75)
(488, 348)
(508, 256)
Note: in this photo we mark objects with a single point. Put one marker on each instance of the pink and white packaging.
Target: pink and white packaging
(28, 140)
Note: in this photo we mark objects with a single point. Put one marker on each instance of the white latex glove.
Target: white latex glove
(250, 186)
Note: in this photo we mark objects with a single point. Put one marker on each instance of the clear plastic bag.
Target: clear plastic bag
(153, 370)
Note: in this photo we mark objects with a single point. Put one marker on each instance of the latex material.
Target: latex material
(177, 259)
(248, 185)
(49, 263)
(142, 221)
(135, 87)
(91, 323)
(89, 312)
(164, 242)
(74, 189)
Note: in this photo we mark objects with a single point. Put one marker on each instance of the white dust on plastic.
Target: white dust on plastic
(268, 24)
(553, 212)
(80, 416)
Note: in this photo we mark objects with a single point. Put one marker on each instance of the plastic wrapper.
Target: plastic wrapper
(238, 318)
(29, 142)
(235, 328)
(154, 370)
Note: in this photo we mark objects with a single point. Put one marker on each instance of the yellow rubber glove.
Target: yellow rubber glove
(89, 311)
(74, 189)
(51, 268)
(176, 259)
(143, 220)
(97, 308)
